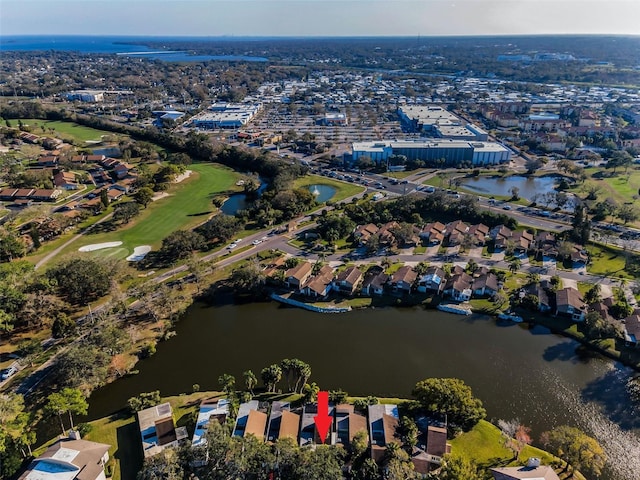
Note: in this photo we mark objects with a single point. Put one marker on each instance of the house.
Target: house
(570, 303)
(8, 194)
(250, 421)
(632, 329)
(374, 283)
(458, 287)
(363, 232)
(456, 230)
(403, 279)
(539, 290)
(433, 233)
(100, 177)
(348, 424)
(282, 422)
(383, 421)
(158, 429)
(295, 277)
(579, 258)
(533, 471)
(65, 180)
(479, 232)
(69, 459)
(319, 285)
(44, 195)
(48, 161)
(522, 241)
(210, 410)
(95, 158)
(432, 281)
(486, 285)
(348, 280)
(387, 237)
(500, 235)
(308, 431)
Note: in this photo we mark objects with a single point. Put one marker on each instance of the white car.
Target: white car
(237, 241)
(7, 372)
(256, 242)
(232, 246)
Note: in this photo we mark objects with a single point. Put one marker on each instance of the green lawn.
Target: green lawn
(72, 130)
(607, 261)
(343, 189)
(188, 204)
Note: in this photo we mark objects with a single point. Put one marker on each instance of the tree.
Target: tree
(576, 448)
(82, 279)
(63, 326)
(515, 193)
(69, 400)
(515, 435)
(221, 227)
(459, 468)
(627, 213)
(144, 400)
(250, 380)
(593, 294)
(310, 392)
(271, 375)
(11, 246)
(514, 265)
(163, 466)
(452, 397)
(227, 383)
(143, 196)
(532, 165)
(247, 278)
(104, 198)
(180, 244)
(408, 433)
(124, 212)
(82, 366)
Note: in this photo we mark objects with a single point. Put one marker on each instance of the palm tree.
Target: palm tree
(250, 380)
(515, 265)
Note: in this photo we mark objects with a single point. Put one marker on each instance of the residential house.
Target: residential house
(539, 290)
(579, 258)
(44, 195)
(479, 232)
(433, 233)
(348, 424)
(48, 161)
(114, 194)
(501, 235)
(295, 277)
(403, 279)
(387, 237)
(485, 285)
(522, 241)
(374, 283)
(363, 232)
(158, 430)
(282, 422)
(210, 410)
(250, 421)
(65, 180)
(319, 286)
(99, 176)
(95, 158)
(458, 287)
(570, 303)
(432, 281)
(383, 421)
(70, 459)
(455, 231)
(347, 280)
(308, 431)
(632, 329)
(537, 472)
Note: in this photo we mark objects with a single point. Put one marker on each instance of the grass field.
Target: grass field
(607, 261)
(79, 133)
(343, 189)
(188, 204)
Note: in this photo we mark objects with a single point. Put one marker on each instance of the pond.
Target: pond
(518, 372)
(322, 192)
(528, 186)
(238, 201)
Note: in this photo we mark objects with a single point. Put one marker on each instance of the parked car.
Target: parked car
(8, 372)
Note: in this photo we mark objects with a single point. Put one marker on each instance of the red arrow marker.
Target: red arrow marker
(323, 420)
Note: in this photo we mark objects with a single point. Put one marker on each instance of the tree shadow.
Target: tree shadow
(129, 452)
(610, 393)
(103, 227)
(563, 351)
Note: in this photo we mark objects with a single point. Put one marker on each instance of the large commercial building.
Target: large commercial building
(435, 152)
(226, 115)
(437, 122)
(86, 95)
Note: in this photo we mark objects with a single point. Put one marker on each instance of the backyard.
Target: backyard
(63, 130)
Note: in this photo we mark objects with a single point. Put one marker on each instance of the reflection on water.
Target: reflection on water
(527, 186)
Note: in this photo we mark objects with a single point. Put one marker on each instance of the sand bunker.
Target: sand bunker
(99, 246)
(183, 176)
(139, 253)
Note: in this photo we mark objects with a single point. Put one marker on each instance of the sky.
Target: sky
(318, 17)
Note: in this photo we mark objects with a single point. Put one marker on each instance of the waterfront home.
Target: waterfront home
(348, 424)
(383, 422)
(632, 329)
(250, 421)
(319, 286)
(210, 410)
(282, 422)
(433, 233)
(296, 277)
(569, 303)
(601, 309)
(539, 290)
(532, 471)
(374, 283)
(363, 232)
(348, 280)
(485, 285)
(403, 279)
(308, 431)
(458, 287)
(158, 429)
(432, 281)
(70, 459)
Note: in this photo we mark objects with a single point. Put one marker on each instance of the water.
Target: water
(322, 192)
(530, 374)
(235, 203)
(130, 46)
(529, 186)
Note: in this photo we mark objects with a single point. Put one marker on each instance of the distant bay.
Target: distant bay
(130, 46)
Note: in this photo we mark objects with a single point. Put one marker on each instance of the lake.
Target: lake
(528, 186)
(517, 372)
